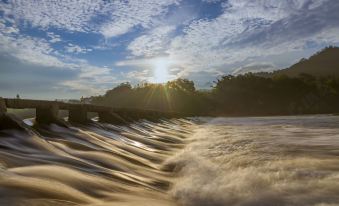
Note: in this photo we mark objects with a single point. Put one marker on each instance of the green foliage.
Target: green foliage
(247, 94)
(253, 95)
(179, 95)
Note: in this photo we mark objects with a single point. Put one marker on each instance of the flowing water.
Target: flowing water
(201, 161)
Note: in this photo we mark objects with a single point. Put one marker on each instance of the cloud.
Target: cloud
(244, 31)
(255, 67)
(33, 52)
(130, 14)
(31, 80)
(145, 69)
(304, 25)
(71, 48)
(205, 42)
(250, 29)
(54, 38)
(110, 18)
(142, 75)
(72, 15)
(29, 49)
(154, 43)
(211, 1)
(8, 29)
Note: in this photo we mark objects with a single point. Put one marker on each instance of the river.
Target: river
(247, 161)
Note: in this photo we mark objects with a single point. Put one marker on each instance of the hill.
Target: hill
(323, 63)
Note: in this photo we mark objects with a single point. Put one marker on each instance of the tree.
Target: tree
(182, 84)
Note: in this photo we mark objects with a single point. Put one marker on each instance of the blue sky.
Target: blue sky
(73, 48)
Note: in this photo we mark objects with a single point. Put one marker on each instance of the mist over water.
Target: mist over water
(200, 161)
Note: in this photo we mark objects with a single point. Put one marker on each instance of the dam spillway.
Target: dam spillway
(47, 111)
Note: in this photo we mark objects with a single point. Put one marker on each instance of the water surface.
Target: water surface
(199, 161)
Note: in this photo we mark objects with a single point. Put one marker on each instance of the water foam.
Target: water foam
(261, 161)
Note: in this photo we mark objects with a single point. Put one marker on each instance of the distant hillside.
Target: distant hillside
(323, 63)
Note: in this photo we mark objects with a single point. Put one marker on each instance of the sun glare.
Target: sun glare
(160, 70)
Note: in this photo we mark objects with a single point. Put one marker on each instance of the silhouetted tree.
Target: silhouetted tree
(247, 94)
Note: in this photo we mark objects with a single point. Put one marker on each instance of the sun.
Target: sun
(160, 70)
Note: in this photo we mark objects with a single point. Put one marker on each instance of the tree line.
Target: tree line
(241, 95)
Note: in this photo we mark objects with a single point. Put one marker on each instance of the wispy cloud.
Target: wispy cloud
(248, 29)
(38, 52)
(154, 43)
(29, 49)
(71, 48)
(110, 18)
(255, 67)
(54, 38)
(72, 15)
(130, 14)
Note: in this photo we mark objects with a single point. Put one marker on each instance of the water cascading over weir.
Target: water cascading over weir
(47, 111)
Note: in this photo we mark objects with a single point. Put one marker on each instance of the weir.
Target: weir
(47, 111)
(3, 108)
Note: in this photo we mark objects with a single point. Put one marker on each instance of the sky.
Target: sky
(62, 49)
